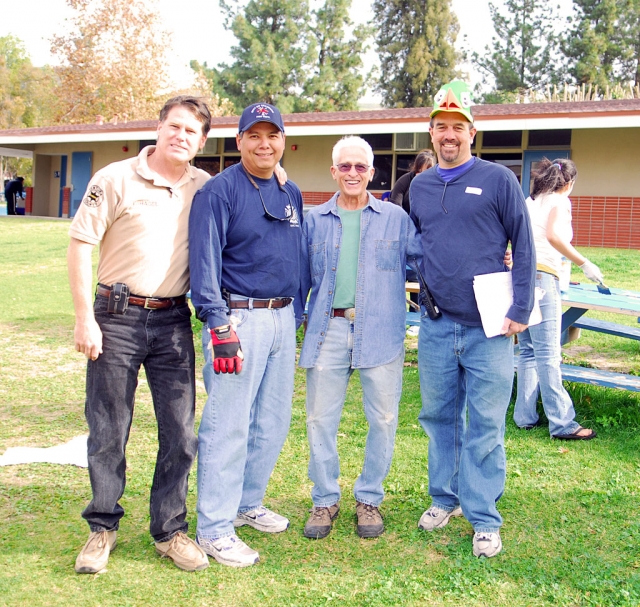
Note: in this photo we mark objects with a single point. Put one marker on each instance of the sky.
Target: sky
(195, 37)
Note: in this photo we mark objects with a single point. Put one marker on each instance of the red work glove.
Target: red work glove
(227, 353)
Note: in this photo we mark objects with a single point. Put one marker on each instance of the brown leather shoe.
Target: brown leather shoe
(184, 552)
(95, 554)
(369, 520)
(319, 523)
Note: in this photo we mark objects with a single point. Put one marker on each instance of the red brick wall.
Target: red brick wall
(28, 202)
(606, 221)
(66, 200)
(598, 221)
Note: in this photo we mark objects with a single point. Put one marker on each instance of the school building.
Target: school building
(601, 137)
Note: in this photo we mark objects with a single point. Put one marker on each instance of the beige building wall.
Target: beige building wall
(104, 153)
(41, 185)
(309, 165)
(608, 162)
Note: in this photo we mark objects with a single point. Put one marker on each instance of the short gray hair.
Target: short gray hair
(351, 142)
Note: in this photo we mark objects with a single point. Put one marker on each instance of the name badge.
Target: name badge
(476, 191)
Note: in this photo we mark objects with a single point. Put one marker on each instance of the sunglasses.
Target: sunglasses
(268, 215)
(345, 167)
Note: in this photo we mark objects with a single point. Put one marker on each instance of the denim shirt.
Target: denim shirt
(388, 239)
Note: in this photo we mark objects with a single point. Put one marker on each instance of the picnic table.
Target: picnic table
(580, 298)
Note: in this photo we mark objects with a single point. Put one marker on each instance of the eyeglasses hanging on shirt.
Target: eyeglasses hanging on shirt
(288, 209)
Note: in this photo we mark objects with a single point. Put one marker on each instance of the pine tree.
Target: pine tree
(336, 82)
(415, 43)
(272, 49)
(522, 54)
(593, 43)
(629, 32)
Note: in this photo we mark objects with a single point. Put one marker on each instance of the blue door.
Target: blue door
(63, 182)
(532, 158)
(80, 177)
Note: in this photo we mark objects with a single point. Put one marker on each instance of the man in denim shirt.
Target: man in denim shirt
(355, 250)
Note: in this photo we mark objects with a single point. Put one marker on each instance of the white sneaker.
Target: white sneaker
(230, 550)
(262, 519)
(436, 518)
(486, 544)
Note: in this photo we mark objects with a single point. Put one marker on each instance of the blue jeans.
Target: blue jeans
(326, 390)
(465, 382)
(539, 366)
(162, 342)
(245, 419)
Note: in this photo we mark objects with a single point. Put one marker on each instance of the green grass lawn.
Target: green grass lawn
(572, 526)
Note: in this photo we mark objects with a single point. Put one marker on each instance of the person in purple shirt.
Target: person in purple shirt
(467, 210)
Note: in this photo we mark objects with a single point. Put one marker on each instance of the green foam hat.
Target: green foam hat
(453, 97)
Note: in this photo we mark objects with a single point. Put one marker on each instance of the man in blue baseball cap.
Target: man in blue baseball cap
(244, 254)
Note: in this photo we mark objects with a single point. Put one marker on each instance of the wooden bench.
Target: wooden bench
(598, 377)
(612, 328)
(584, 375)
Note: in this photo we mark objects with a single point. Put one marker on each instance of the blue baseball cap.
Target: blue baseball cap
(260, 112)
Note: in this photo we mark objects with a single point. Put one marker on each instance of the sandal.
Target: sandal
(575, 435)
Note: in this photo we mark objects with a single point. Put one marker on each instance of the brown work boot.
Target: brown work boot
(184, 552)
(95, 554)
(319, 523)
(369, 520)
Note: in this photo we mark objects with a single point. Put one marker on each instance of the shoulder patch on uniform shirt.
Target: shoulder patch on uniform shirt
(471, 190)
(94, 196)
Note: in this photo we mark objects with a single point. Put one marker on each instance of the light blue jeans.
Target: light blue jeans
(326, 389)
(539, 366)
(465, 382)
(245, 419)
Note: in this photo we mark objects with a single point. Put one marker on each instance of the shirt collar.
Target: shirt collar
(145, 171)
(373, 202)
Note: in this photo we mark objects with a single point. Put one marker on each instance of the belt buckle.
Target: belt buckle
(350, 314)
(270, 306)
(146, 303)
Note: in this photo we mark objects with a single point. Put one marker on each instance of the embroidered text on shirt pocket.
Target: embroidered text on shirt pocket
(317, 259)
(388, 255)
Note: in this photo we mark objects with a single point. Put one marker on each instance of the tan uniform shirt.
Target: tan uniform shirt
(141, 222)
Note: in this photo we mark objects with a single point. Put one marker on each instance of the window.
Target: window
(381, 141)
(383, 164)
(550, 138)
(511, 161)
(210, 165)
(502, 139)
(403, 164)
(230, 144)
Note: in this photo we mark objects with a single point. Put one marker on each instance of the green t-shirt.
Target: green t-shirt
(347, 272)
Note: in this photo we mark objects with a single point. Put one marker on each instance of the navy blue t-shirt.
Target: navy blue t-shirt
(234, 246)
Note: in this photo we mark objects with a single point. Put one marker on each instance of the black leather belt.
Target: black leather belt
(153, 303)
(272, 304)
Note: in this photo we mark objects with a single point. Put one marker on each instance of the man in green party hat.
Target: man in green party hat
(467, 211)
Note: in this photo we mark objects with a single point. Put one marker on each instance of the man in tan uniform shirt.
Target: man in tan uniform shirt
(138, 211)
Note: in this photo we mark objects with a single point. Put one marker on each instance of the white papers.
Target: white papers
(494, 296)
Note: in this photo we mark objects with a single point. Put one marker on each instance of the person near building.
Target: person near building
(467, 210)
(13, 190)
(355, 251)
(137, 210)
(424, 160)
(540, 349)
(244, 248)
